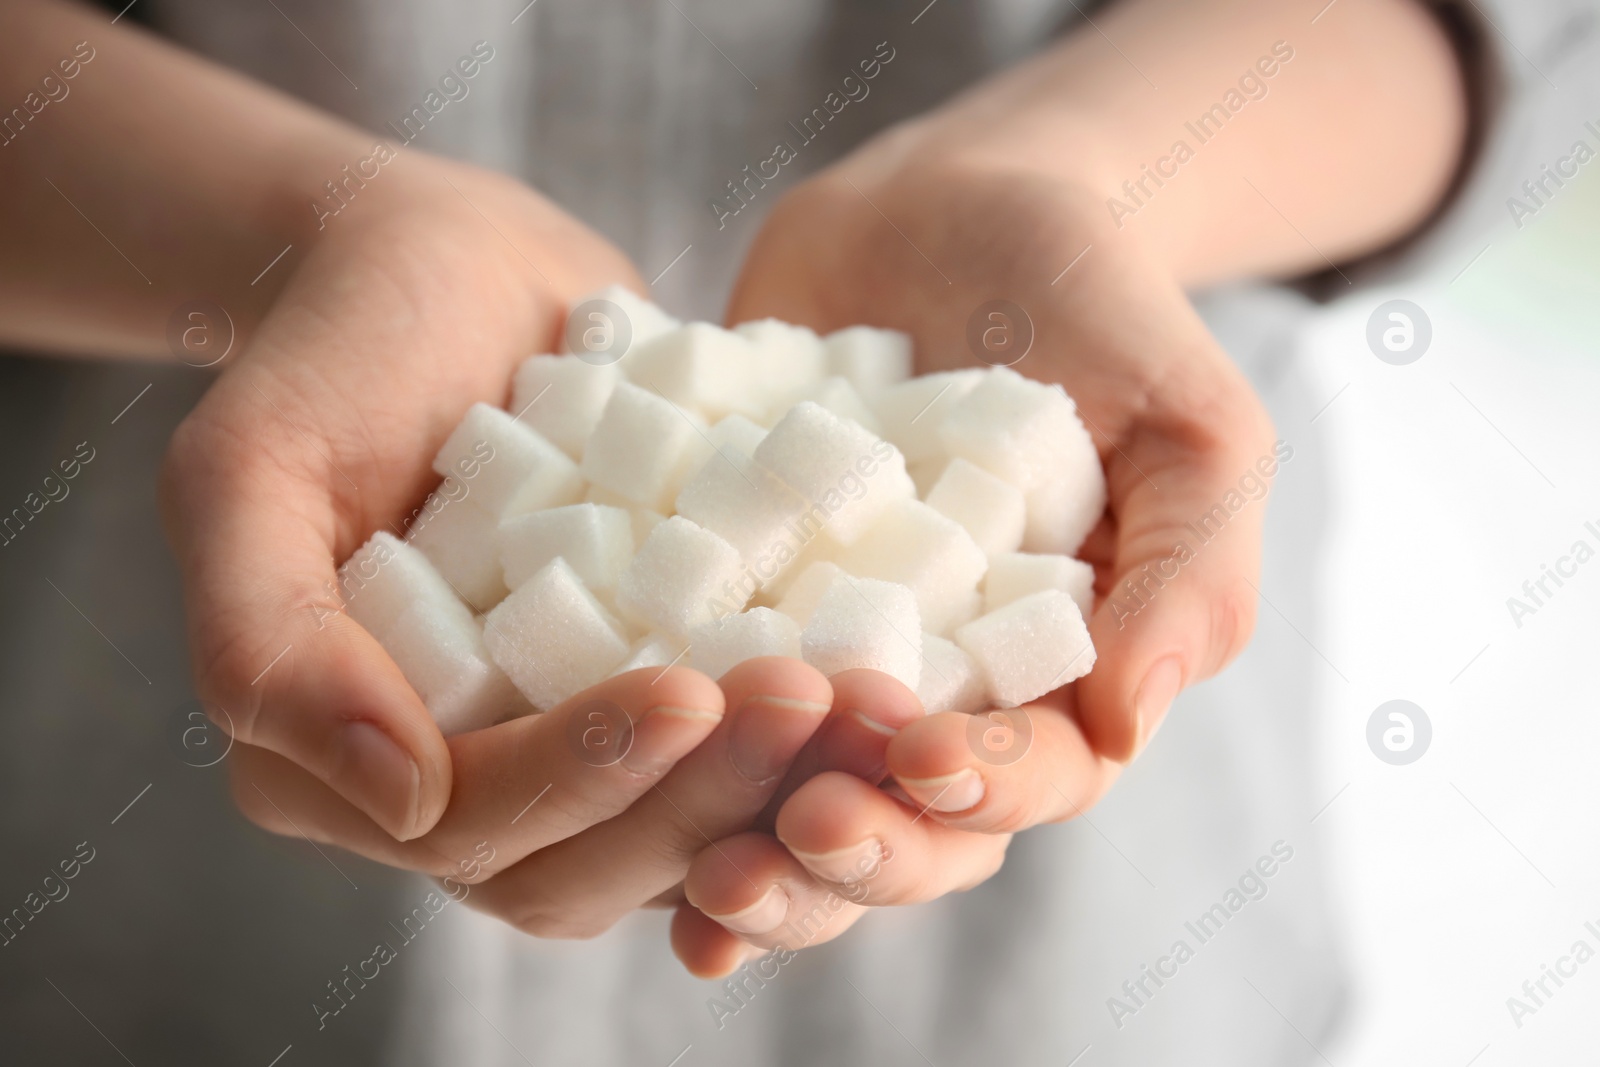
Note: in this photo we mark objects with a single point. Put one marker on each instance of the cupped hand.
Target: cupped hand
(413, 303)
(919, 231)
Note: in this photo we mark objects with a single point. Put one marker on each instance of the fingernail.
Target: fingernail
(948, 793)
(1156, 693)
(768, 731)
(665, 735)
(874, 725)
(379, 777)
(762, 917)
(850, 864)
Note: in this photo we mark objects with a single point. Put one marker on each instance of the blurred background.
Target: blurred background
(1436, 487)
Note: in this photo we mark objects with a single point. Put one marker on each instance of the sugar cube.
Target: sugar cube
(751, 508)
(805, 592)
(385, 577)
(445, 660)
(562, 397)
(644, 321)
(1029, 647)
(911, 411)
(701, 367)
(653, 650)
(682, 577)
(839, 397)
(788, 357)
(1063, 510)
(950, 679)
(925, 474)
(991, 510)
(552, 638)
(1022, 431)
(595, 540)
(918, 547)
(862, 622)
(1013, 575)
(507, 467)
(737, 432)
(462, 541)
(848, 475)
(963, 609)
(644, 447)
(720, 646)
(391, 589)
(868, 358)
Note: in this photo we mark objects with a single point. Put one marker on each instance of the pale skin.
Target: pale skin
(358, 353)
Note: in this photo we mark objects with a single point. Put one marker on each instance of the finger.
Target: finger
(705, 947)
(876, 850)
(869, 708)
(1185, 486)
(276, 662)
(582, 885)
(519, 786)
(751, 886)
(1000, 771)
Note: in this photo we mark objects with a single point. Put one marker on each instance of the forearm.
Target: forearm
(147, 179)
(1348, 143)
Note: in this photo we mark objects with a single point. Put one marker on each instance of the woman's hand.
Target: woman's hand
(416, 301)
(917, 234)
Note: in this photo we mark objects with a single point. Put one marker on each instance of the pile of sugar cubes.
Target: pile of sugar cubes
(715, 495)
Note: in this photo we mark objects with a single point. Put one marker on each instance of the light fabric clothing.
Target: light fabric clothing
(633, 114)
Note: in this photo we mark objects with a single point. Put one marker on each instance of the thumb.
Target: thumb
(1187, 489)
(276, 660)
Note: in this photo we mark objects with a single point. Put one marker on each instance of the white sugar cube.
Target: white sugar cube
(595, 540)
(751, 508)
(385, 577)
(552, 638)
(683, 577)
(963, 609)
(868, 358)
(507, 467)
(718, 647)
(737, 432)
(991, 510)
(644, 519)
(950, 679)
(1014, 575)
(1022, 431)
(805, 592)
(925, 474)
(644, 447)
(815, 548)
(848, 475)
(653, 650)
(839, 397)
(700, 367)
(862, 622)
(1029, 647)
(562, 397)
(644, 319)
(1062, 511)
(445, 660)
(911, 411)
(462, 541)
(788, 358)
(918, 547)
